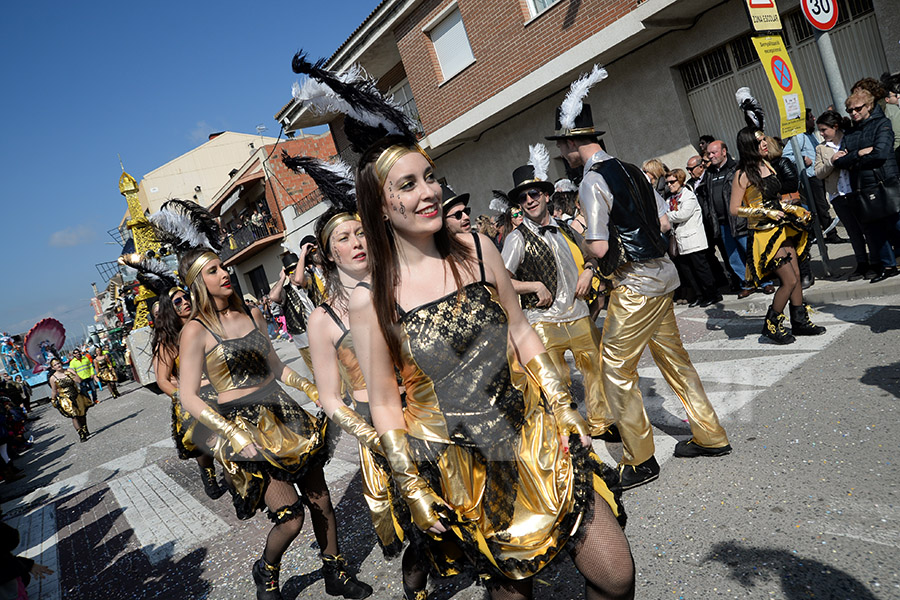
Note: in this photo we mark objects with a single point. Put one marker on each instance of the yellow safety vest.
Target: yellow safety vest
(83, 368)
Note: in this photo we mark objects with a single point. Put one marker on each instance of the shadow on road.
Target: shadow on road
(114, 423)
(800, 577)
(886, 377)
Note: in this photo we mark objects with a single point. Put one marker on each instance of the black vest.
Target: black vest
(538, 263)
(634, 212)
(294, 317)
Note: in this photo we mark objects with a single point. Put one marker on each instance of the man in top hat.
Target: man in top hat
(294, 291)
(456, 211)
(542, 256)
(626, 219)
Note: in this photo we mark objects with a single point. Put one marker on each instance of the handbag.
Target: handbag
(880, 201)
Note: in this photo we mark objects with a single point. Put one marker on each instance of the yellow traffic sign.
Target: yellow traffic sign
(763, 15)
(783, 79)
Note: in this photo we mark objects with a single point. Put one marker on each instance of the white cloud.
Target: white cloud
(72, 236)
(200, 132)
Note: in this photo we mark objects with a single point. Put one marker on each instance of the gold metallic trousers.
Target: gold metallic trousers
(633, 322)
(583, 338)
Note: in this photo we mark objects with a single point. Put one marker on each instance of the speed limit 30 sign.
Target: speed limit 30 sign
(821, 14)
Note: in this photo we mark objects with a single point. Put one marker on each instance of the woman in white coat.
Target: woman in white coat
(690, 240)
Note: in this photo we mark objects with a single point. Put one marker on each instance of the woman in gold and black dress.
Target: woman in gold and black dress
(66, 397)
(477, 454)
(267, 441)
(777, 236)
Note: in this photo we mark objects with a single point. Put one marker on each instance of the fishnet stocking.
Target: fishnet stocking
(318, 499)
(604, 557)
(415, 576)
(280, 494)
(79, 422)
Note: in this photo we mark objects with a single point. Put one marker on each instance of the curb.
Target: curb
(823, 292)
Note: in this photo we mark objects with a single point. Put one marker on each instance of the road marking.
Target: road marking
(38, 541)
(167, 520)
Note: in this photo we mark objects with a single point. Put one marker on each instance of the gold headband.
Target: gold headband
(197, 266)
(174, 291)
(332, 224)
(389, 157)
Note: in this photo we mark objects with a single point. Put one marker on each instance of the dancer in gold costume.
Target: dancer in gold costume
(66, 396)
(267, 442)
(625, 221)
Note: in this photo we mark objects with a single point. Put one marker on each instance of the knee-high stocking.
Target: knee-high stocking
(604, 557)
(510, 589)
(415, 575)
(280, 494)
(318, 499)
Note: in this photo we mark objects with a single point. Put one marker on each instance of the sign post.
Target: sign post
(792, 117)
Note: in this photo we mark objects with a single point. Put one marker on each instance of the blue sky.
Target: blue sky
(150, 80)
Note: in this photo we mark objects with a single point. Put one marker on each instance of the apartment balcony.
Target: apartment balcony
(249, 240)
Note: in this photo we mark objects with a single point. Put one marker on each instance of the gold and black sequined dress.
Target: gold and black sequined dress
(483, 437)
(291, 440)
(70, 402)
(767, 236)
(375, 471)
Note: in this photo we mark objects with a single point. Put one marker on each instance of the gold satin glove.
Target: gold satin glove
(237, 437)
(568, 420)
(758, 211)
(350, 421)
(415, 490)
(303, 384)
(801, 213)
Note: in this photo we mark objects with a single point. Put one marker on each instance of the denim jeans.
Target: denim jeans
(736, 247)
(89, 388)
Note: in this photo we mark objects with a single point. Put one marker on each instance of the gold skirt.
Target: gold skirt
(514, 512)
(765, 243)
(291, 442)
(191, 438)
(69, 407)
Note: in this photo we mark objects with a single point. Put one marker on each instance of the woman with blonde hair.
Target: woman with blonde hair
(267, 442)
(656, 171)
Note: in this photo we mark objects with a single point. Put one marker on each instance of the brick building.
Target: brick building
(483, 77)
(264, 204)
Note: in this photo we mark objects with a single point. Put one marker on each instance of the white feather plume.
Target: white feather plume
(497, 204)
(571, 105)
(180, 227)
(539, 158)
(742, 94)
(565, 185)
(322, 100)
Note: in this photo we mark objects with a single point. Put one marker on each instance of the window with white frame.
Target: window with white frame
(539, 6)
(451, 44)
(402, 94)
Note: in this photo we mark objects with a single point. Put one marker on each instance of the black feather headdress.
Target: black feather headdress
(185, 225)
(369, 115)
(153, 273)
(334, 179)
(753, 111)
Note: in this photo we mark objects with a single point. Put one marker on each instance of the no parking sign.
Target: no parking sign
(783, 79)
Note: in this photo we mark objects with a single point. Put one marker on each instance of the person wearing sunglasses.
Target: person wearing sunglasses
(868, 153)
(546, 260)
(456, 211)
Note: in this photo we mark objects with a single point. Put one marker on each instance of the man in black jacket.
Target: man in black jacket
(732, 230)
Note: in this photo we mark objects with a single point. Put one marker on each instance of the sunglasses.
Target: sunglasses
(671, 181)
(533, 193)
(459, 215)
(690, 168)
(515, 214)
(855, 109)
(179, 301)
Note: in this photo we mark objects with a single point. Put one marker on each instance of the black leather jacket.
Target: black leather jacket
(865, 171)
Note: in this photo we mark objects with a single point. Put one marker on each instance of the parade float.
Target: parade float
(31, 358)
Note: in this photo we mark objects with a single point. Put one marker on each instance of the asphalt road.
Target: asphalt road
(805, 507)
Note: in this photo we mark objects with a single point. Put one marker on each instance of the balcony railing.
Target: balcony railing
(235, 241)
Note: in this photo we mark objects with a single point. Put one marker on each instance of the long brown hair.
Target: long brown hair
(203, 308)
(382, 247)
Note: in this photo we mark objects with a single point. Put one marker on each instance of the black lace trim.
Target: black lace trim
(286, 513)
(775, 263)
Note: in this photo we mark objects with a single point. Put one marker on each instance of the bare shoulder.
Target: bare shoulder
(360, 300)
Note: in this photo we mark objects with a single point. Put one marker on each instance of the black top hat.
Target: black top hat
(523, 179)
(584, 126)
(451, 198)
(289, 261)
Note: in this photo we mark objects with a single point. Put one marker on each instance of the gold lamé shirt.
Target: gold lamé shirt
(490, 450)
(238, 363)
(768, 197)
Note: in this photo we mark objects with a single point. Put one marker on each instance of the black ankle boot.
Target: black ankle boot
(774, 328)
(800, 323)
(265, 576)
(210, 485)
(338, 582)
(411, 594)
(83, 433)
